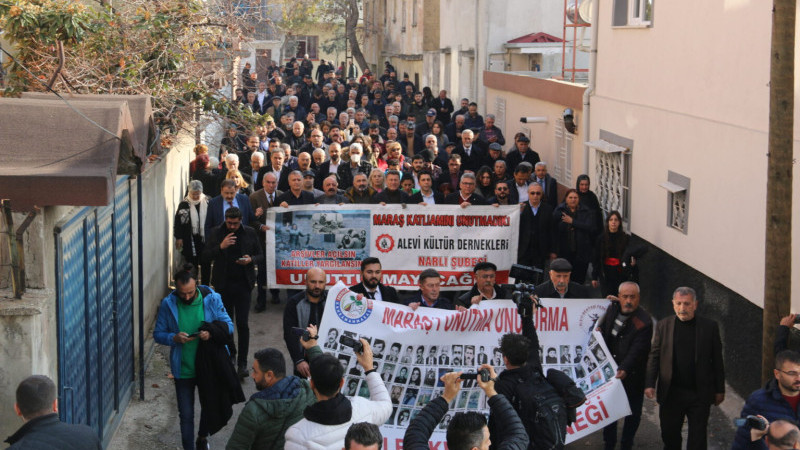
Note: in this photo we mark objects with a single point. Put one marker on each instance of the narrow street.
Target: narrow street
(153, 423)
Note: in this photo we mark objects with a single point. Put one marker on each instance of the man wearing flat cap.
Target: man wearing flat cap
(522, 153)
(559, 285)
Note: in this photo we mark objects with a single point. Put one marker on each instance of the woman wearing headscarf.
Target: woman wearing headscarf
(589, 200)
(188, 229)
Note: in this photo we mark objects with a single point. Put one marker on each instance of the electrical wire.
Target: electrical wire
(59, 95)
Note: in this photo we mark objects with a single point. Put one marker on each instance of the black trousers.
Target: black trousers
(261, 284)
(236, 299)
(679, 404)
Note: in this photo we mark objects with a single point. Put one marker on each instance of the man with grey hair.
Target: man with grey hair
(471, 156)
(548, 183)
(256, 163)
(297, 138)
(294, 107)
(454, 128)
(685, 371)
(521, 153)
(627, 330)
(331, 195)
(295, 195)
(466, 194)
(347, 172)
(331, 165)
(490, 134)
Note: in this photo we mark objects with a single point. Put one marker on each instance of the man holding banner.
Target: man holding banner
(303, 309)
(428, 295)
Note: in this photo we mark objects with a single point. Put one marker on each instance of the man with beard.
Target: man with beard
(559, 285)
(485, 287)
(371, 285)
(278, 404)
(361, 192)
(500, 194)
(331, 166)
(303, 309)
(180, 316)
(235, 251)
(331, 194)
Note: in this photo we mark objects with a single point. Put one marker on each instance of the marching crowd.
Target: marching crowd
(332, 138)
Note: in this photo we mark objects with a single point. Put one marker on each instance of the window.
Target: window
(405, 14)
(306, 44)
(612, 174)
(414, 13)
(633, 13)
(500, 112)
(394, 11)
(562, 169)
(677, 187)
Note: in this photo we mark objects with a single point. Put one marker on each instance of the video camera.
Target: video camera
(524, 292)
(483, 373)
(356, 345)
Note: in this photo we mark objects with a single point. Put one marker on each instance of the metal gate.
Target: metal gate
(95, 313)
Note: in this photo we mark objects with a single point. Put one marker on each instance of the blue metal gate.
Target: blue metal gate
(95, 313)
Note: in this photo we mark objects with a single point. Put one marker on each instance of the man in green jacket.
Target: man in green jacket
(278, 404)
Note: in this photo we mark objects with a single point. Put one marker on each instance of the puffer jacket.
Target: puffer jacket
(767, 402)
(306, 434)
(269, 413)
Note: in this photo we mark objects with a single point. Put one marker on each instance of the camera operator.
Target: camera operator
(485, 287)
(777, 400)
(467, 430)
(535, 398)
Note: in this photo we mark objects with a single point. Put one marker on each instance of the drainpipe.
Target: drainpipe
(590, 88)
(140, 250)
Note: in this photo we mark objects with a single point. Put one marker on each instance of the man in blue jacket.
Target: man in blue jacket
(777, 400)
(228, 198)
(179, 318)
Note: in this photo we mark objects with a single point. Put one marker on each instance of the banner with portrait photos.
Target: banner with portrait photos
(413, 349)
(407, 239)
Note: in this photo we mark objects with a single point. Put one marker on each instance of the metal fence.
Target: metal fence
(95, 313)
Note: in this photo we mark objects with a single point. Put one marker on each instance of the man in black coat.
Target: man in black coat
(627, 330)
(535, 230)
(686, 367)
(444, 107)
(466, 195)
(303, 309)
(295, 195)
(521, 154)
(392, 194)
(235, 251)
(472, 157)
(559, 285)
(485, 287)
(548, 183)
(371, 285)
(37, 405)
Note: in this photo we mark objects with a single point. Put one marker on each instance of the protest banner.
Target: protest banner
(413, 349)
(407, 240)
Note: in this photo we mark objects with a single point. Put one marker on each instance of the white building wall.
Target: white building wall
(692, 93)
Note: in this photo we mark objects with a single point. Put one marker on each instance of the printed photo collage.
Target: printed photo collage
(589, 368)
(412, 372)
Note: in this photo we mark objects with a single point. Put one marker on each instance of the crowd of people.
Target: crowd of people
(333, 138)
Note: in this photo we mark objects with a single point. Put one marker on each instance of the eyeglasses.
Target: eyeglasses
(791, 373)
(535, 193)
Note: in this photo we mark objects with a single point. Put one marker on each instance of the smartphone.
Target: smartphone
(195, 334)
(352, 122)
(301, 332)
(346, 340)
(483, 373)
(753, 422)
(242, 259)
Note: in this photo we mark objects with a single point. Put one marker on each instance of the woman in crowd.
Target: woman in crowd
(437, 129)
(589, 199)
(207, 175)
(486, 181)
(574, 224)
(377, 179)
(236, 176)
(199, 149)
(611, 265)
(189, 230)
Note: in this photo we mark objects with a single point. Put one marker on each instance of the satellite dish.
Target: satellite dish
(584, 12)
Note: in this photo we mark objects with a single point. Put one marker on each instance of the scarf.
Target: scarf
(198, 221)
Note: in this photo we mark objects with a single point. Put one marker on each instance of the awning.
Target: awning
(606, 147)
(672, 187)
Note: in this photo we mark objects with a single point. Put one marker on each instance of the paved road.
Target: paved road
(153, 423)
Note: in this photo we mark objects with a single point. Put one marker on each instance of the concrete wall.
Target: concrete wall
(700, 111)
(526, 96)
(164, 186)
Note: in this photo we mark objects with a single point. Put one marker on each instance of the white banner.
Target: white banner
(407, 240)
(413, 349)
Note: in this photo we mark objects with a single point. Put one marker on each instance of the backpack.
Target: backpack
(541, 409)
